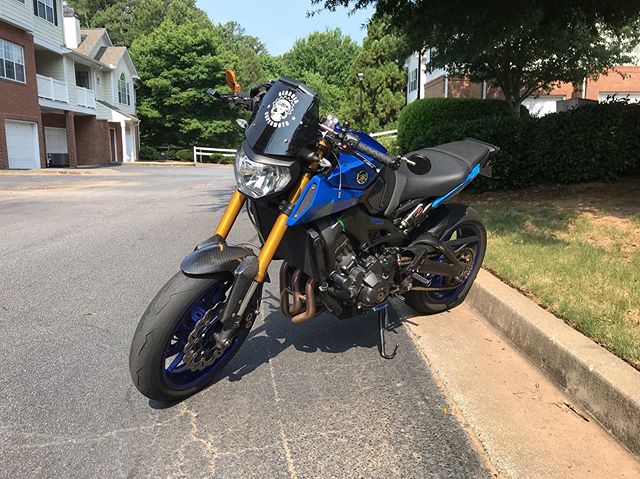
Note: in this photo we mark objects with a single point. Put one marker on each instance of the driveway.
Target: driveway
(81, 258)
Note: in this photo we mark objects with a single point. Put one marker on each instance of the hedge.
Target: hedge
(185, 154)
(421, 120)
(148, 153)
(219, 158)
(593, 142)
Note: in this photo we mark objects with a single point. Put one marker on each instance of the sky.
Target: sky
(279, 23)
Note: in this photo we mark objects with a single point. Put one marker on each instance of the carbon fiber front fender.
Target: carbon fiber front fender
(214, 257)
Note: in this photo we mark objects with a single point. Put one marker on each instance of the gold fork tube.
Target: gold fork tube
(230, 214)
(279, 229)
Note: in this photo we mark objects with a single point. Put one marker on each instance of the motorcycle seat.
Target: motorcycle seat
(442, 168)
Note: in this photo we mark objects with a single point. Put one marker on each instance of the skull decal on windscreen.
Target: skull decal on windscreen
(281, 109)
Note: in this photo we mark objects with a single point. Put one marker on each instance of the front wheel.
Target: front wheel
(173, 353)
(447, 293)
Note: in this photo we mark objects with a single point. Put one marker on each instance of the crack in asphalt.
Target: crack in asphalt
(207, 445)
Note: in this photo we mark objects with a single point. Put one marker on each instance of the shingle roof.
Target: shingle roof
(110, 55)
(89, 37)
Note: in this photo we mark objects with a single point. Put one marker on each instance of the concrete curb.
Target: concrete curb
(602, 383)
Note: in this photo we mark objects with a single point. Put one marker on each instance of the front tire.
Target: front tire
(156, 358)
(437, 302)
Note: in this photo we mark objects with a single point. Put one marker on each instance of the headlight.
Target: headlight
(259, 179)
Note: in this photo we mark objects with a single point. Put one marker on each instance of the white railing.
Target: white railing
(380, 134)
(199, 152)
(52, 89)
(85, 97)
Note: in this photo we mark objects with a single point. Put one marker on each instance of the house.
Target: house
(67, 94)
(424, 81)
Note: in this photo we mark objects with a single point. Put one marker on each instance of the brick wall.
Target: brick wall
(434, 88)
(19, 101)
(464, 88)
(619, 80)
(92, 140)
(53, 120)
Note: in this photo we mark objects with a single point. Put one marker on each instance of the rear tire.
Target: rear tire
(158, 328)
(428, 303)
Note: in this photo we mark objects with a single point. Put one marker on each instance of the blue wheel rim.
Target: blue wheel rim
(443, 297)
(175, 373)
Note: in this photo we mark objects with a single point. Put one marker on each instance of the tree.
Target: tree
(246, 54)
(380, 60)
(175, 63)
(323, 61)
(520, 47)
(126, 20)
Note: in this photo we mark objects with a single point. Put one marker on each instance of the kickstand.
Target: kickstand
(383, 324)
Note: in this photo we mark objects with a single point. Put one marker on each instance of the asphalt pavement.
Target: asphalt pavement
(82, 256)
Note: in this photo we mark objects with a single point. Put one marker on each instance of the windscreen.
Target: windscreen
(287, 120)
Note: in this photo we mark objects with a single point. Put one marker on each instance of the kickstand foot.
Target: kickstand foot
(383, 324)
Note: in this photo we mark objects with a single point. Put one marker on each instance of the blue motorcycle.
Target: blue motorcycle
(353, 225)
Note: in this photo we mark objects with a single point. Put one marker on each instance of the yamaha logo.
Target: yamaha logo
(362, 177)
(278, 111)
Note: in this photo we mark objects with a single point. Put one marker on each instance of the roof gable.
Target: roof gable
(91, 40)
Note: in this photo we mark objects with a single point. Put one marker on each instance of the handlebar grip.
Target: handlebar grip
(378, 155)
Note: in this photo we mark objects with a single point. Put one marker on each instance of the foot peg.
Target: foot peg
(383, 324)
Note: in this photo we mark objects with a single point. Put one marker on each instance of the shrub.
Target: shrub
(185, 154)
(148, 153)
(422, 119)
(214, 158)
(593, 142)
(171, 154)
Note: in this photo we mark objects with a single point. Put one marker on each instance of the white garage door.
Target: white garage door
(56, 140)
(22, 145)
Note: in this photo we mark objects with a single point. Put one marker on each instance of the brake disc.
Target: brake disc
(201, 350)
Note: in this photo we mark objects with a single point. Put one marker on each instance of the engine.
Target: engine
(363, 279)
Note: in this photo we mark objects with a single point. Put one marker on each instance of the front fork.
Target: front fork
(277, 232)
(252, 271)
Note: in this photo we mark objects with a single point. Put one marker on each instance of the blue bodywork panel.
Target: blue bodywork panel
(324, 196)
(351, 167)
(329, 196)
(475, 172)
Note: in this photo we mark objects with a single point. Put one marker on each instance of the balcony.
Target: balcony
(86, 97)
(52, 89)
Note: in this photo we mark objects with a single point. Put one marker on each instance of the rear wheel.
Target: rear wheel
(173, 353)
(447, 293)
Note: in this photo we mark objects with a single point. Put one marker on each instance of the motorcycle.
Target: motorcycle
(353, 225)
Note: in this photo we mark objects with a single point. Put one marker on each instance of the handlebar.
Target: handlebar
(351, 141)
(377, 155)
(238, 99)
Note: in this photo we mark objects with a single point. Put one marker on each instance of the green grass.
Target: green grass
(578, 258)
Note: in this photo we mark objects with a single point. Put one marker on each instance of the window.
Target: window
(123, 91)
(11, 61)
(46, 9)
(413, 80)
(82, 78)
